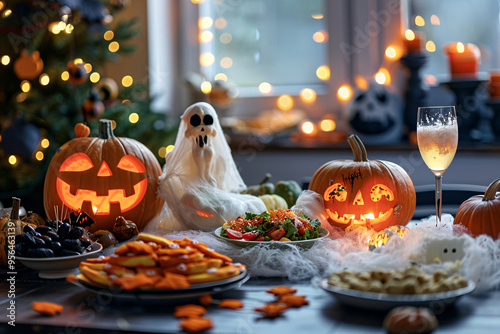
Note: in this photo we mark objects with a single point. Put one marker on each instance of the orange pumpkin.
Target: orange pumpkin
(105, 177)
(372, 193)
(481, 214)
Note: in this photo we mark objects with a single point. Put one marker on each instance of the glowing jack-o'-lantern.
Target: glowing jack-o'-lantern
(372, 193)
(105, 177)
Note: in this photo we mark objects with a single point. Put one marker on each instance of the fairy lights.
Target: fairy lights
(308, 95)
(265, 88)
(127, 81)
(285, 102)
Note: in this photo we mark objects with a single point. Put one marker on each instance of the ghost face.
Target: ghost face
(200, 121)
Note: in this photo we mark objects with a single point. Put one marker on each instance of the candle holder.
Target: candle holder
(416, 94)
(468, 104)
(494, 104)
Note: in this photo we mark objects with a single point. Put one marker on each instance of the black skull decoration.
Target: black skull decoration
(375, 114)
(200, 126)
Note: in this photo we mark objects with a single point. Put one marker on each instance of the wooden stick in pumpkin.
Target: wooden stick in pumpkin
(16, 205)
(492, 190)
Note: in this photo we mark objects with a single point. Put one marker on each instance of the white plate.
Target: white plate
(59, 267)
(155, 295)
(323, 233)
(385, 301)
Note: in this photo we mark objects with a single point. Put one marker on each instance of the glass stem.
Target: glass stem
(439, 189)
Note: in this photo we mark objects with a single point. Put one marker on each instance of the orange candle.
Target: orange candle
(494, 85)
(414, 41)
(464, 60)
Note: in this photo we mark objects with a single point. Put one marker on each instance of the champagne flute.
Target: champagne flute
(437, 137)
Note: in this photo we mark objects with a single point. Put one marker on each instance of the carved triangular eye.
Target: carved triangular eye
(77, 162)
(195, 120)
(208, 120)
(132, 164)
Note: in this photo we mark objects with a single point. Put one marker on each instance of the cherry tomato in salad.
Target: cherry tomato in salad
(302, 230)
(250, 235)
(234, 234)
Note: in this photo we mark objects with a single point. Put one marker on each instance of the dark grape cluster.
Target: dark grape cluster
(55, 239)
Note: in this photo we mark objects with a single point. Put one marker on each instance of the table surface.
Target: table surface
(87, 312)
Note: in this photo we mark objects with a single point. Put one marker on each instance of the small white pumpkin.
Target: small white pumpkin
(274, 202)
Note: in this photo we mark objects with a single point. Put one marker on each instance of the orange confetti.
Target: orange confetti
(281, 290)
(189, 311)
(231, 304)
(205, 300)
(195, 324)
(293, 301)
(47, 308)
(272, 310)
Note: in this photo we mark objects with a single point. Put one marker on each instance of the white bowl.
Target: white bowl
(59, 267)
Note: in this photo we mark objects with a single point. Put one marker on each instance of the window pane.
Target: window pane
(271, 41)
(465, 21)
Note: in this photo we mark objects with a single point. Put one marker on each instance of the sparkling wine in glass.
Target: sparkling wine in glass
(437, 137)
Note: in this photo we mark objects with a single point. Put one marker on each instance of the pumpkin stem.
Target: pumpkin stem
(106, 129)
(16, 205)
(491, 191)
(357, 147)
(265, 179)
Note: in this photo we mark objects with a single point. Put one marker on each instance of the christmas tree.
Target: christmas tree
(50, 56)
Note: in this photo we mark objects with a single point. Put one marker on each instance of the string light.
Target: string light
(127, 81)
(361, 82)
(5, 60)
(44, 79)
(430, 46)
(133, 118)
(88, 67)
(320, 36)
(25, 86)
(21, 97)
(39, 155)
(170, 148)
(226, 38)
(114, 46)
(196, 2)
(108, 35)
(7, 13)
(419, 21)
(308, 95)
(390, 52)
(2, 5)
(409, 35)
(460, 47)
(435, 20)
(317, 16)
(69, 28)
(54, 28)
(78, 61)
(265, 88)
(95, 77)
(285, 102)
(205, 22)
(162, 152)
(220, 23)
(44, 143)
(61, 25)
(12, 160)
(206, 87)
(206, 59)
(344, 92)
(308, 127)
(383, 77)
(323, 72)
(226, 62)
(206, 37)
(65, 76)
(327, 125)
(220, 76)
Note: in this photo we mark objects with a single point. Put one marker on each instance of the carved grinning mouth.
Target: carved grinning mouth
(201, 141)
(101, 203)
(348, 219)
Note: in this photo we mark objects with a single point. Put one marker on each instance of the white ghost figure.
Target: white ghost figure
(440, 250)
(200, 182)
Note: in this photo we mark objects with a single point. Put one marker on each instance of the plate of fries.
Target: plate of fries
(154, 268)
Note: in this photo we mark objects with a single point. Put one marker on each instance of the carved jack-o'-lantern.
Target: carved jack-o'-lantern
(105, 177)
(373, 193)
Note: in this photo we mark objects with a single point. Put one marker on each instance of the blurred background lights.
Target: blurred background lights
(285, 102)
(25, 86)
(220, 76)
(127, 81)
(265, 88)
(419, 21)
(54, 28)
(114, 46)
(12, 160)
(65, 76)
(133, 118)
(220, 23)
(205, 22)
(460, 47)
(108, 35)
(435, 20)
(7, 13)
(430, 46)
(95, 77)
(5, 60)
(344, 92)
(327, 125)
(383, 77)
(44, 79)
(197, 1)
(78, 61)
(409, 34)
(206, 59)
(226, 62)
(323, 72)
(320, 36)
(206, 37)
(430, 79)
(226, 38)
(307, 95)
(69, 28)
(390, 52)
(88, 67)
(308, 127)
(317, 16)
(44, 143)
(39, 156)
(206, 87)
(162, 152)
